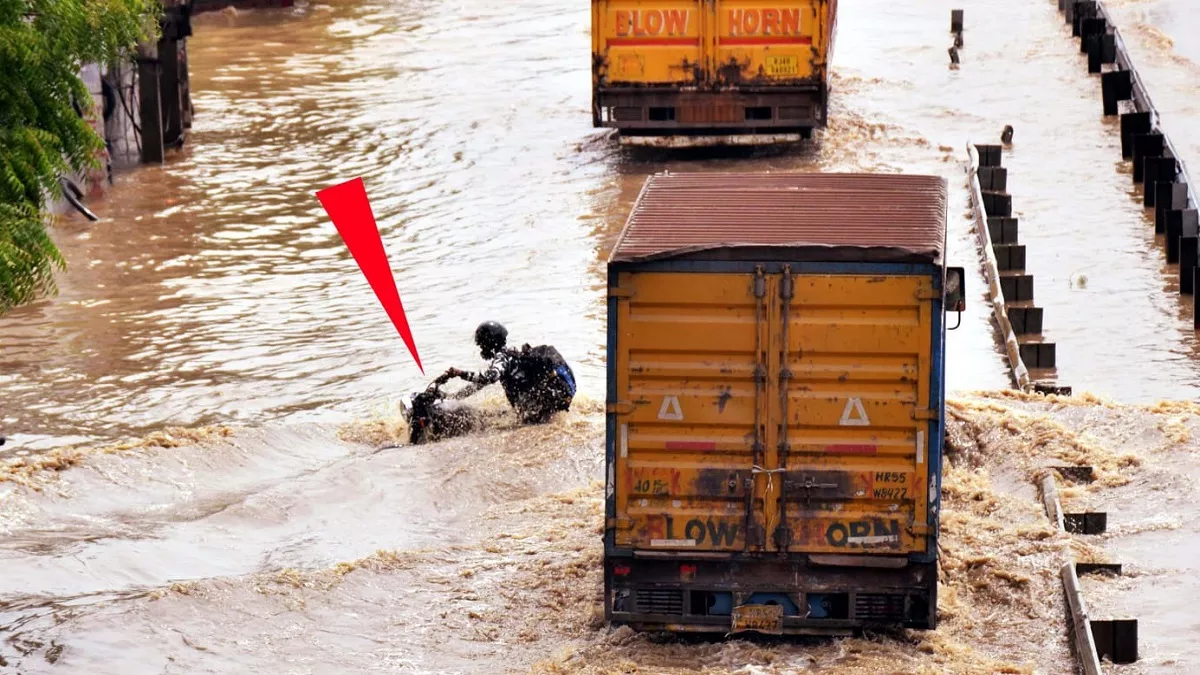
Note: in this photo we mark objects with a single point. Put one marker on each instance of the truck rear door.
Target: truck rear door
(651, 42)
(768, 41)
(856, 413)
(768, 412)
(691, 411)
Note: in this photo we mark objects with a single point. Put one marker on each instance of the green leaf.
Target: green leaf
(42, 44)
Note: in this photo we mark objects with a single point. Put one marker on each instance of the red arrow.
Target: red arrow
(350, 210)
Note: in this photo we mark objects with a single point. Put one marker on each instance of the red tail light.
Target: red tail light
(621, 570)
(687, 569)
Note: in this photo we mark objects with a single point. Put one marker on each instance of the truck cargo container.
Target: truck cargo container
(775, 409)
(666, 72)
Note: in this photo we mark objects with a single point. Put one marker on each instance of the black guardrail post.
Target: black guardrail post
(1116, 639)
(1084, 9)
(1098, 568)
(1145, 145)
(1133, 124)
(1004, 230)
(1091, 28)
(1157, 171)
(1099, 43)
(1170, 197)
(1195, 298)
(1077, 474)
(1187, 263)
(1115, 86)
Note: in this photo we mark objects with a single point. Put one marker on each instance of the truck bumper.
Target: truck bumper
(716, 140)
(698, 596)
(667, 112)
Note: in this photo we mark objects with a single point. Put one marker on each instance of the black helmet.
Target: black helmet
(491, 338)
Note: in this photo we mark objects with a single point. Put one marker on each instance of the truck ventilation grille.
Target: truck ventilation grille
(660, 601)
(879, 607)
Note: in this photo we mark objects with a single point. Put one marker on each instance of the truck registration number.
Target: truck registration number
(760, 618)
(782, 66)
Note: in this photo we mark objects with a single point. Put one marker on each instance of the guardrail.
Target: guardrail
(1094, 639)
(1010, 287)
(1157, 165)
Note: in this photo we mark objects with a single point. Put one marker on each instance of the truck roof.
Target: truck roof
(820, 217)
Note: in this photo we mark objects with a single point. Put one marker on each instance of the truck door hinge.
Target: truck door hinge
(783, 537)
(758, 535)
(924, 414)
(620, 292)
(929, 294)
(618, 407)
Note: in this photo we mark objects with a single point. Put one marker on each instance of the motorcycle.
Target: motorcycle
(431, 417)
(420, 411)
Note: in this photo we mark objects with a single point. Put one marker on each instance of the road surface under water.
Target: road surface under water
(214, 291)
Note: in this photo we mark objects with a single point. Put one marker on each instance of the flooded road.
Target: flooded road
(235, 300)
(215, 292)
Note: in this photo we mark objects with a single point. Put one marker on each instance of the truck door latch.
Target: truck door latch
(809, 484)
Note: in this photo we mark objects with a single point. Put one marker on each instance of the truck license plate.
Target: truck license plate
(782, 66)
(761, 618)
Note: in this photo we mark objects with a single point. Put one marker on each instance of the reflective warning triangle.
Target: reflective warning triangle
(670, 409)
(855, 415)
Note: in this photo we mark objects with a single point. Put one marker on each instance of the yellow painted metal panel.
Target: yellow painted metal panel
(680, 42)
(861, 368)
(769, 41)
(859, 350)
(689, 346)
(716, 370)
(648, 41)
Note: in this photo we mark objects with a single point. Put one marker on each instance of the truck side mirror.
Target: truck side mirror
(956, 297)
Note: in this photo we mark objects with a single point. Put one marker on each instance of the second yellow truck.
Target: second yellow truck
(703, 72)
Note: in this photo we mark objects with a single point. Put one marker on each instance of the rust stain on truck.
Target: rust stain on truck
(732, 67)
(776, 376)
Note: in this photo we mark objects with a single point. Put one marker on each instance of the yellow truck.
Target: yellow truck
(704, 72)
(775, 416)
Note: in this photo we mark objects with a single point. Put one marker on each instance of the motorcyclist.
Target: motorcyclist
(536, 380)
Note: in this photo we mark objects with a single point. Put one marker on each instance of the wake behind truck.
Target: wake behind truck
(705, 72)
(775, 410)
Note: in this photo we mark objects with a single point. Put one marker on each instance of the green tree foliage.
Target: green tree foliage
(43, 43)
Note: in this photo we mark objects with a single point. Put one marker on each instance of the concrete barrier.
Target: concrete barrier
(1157, 166)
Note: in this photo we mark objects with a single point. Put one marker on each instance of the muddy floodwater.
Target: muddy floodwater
(277, 533)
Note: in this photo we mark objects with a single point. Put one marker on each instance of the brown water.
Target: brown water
(214, 291)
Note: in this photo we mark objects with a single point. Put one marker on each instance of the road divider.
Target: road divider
(1094, 639)
(1157, 166)
(1010, 286)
